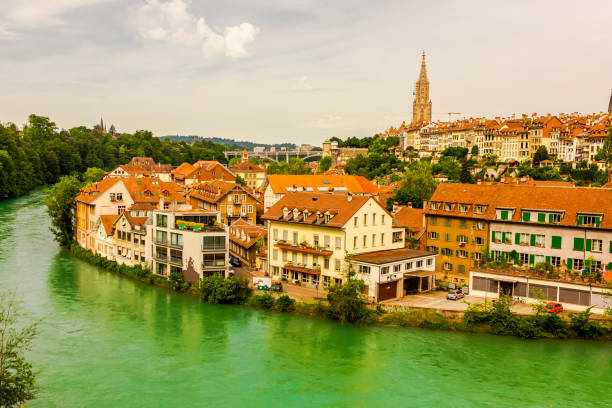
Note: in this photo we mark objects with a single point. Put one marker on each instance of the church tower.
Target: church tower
(610, 104)
(421, 107)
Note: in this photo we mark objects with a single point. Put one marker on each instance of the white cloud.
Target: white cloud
(302, 84)
(171, 21)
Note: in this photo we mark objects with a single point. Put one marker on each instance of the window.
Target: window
(315, 279)
(305, 278)
(503, 214)
(162, 220)
(596, 245)
(161, 237)
(447, 266)
(477, 256)
(338, 243)
(446, 251)
(397, 236)
(462, 253)
(382, 239)
(448, 222)
(526, 216)
(326, 280)
(244, 197)
(373, 239)
(480, 209)
(554, 218)
(275, 270)
(433, 249)
(555, 261)
(588, 220)
(275, 232)
(539, 259)
(243, 210)
(463, 208)
(177, 240)
(213, 242)
(523, 259)
(294, 257)
(433, 220)
(285, 235)
(524, 240)
(250, 209)
(432, 235)
(295, 238)
(434, 206)
(556, 242)
(213, 260)
(365, 220)
(365, 269)
(354, 242)
(121, 209)
(463, 224)
(384, 270)
(397, 268)
(326, 240)
(449, 206)
(461, 268)
(578, 264)
(365, 241)
(462, 239)
(409, 266)
(337, 265)
(578, 244)
(541, 217)
(382, 219)
(429, 261)
(373, 218)
(275, 254)
(478, 241)
(355, 221)
(479, 226)
(447, 237)
(325, 263)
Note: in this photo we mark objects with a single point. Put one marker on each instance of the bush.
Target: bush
(583, 327)
(264, 301)
(215, 289)
(380, 310)
(346, 303)
(285, 303)
(425, 319)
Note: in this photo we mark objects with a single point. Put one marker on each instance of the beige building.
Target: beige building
(252, 174)
(130, 234)
(315, 239)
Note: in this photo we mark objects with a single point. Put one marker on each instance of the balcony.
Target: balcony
(176, 261)
(315, 270)
(163, 258)
(199, 226)
(209, 266)
(304, 248)
(213, 249)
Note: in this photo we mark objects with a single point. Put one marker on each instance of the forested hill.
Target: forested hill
(233, 144)
(41, 154)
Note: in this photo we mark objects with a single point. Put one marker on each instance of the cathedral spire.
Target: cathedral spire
(421, 107)
(423, 73)
(610, 104)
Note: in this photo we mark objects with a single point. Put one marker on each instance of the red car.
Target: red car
(552, 307)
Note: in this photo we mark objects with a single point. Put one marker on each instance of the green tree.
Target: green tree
(418, 185)
(240, 180)
(324, 164)
(216, 289)
(540, 155)
(347, 304)
(466, 174)
(60, 207)
(17, 381)
(474, 150)
(92, 175)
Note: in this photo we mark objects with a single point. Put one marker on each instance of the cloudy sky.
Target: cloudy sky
(299, 71)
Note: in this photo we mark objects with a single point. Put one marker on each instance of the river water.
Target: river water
(107, 341)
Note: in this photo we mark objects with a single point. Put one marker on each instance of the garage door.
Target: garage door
(387, 290)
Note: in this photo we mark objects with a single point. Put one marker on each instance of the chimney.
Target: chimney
(349, 198)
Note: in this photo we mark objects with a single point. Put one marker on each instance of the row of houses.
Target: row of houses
(567, 137)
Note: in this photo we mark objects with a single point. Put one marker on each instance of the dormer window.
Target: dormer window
(463, 208)
(480, 209)
(285, 212)
(589, 220)
(306, 215)
(504, 214)
(434, 206)
(296, 213)
(327, 218)
(449, 206)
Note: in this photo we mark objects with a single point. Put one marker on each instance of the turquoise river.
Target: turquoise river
(107, 341)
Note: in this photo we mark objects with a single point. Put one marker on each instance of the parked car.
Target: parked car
(454, 295)
(552, 307)
(235, 262)
(276, 287)
(230, 270)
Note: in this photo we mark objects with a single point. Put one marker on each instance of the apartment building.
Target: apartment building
(456, 221)
(278, 185)
(130, 235)
(232, 200)
(191, 242)
(247, 241)
(314, 238)
(201, 171)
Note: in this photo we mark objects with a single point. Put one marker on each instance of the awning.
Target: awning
(503, 279)
(419, 274)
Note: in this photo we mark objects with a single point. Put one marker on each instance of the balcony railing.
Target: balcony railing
(159, 257)
(176, 261)
(315, 270)
(212, 266)
(305, 249)
(213, 249)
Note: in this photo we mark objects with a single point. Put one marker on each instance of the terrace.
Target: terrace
(305, 248)
(199, 223)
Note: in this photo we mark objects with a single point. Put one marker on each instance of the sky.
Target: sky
(296, 71)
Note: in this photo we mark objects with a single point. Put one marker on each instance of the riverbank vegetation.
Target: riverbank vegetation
(17, 380)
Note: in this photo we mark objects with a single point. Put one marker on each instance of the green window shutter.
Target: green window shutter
(532, 240)
(611, 247)
(556, 242)
(580, 220)
(516, 258)
(492, 254)
(531, 259)
(492, 236)
(541, 217)
(517, 239)
(550, 218)
(503, 237)
(597, 221)
(578, 244)
(587, 264)
(548, 259)
(588, 245)
(504, 215)
(570, 263)
(526, 216)
(610, 266)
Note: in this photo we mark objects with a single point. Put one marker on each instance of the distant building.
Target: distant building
(201, 171)
(340, 155)
(252, 174)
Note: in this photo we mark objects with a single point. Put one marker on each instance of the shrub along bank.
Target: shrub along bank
(345, 304)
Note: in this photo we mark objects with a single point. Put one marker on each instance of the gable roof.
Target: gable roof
(213, 191)
(245, 234)
(408, 217)
(133, 221)
(137, 188)
(340, 207)
(108, 222)
(247, 167)
(89, 194)
(183, 170)
(283, 183)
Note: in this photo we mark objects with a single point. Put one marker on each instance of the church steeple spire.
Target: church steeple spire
(610, 104)
(421, 108)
